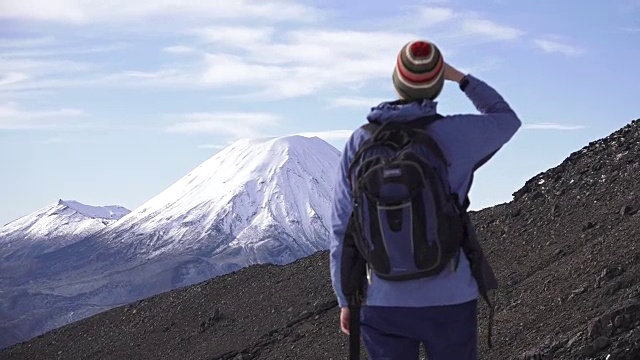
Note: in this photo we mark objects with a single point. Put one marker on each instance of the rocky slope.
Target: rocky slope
(566, 251)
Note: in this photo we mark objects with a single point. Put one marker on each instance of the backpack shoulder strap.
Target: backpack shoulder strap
(371, 127)
(420, 125)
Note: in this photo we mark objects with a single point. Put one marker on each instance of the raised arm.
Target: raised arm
(478, 136)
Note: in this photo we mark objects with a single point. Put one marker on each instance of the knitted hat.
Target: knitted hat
(419, 71)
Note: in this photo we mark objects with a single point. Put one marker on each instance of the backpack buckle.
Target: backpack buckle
(369, 274)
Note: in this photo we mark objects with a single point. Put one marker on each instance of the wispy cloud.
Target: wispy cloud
(299, 62)
(227, 124)
(556, 46)
(12, 117)
(447, 24)
(12, 78)
(355, 102)
(66, 50)
(434, 15)
(302, 62)
(235, 35)
(26, 42)
(42, 66)
(179, 49)
(306, 61)
(31, 67)
(489, 30)
(93, 11)
(250, 59)
(552, 126)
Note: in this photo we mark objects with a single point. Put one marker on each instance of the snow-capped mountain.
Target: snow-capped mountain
(54, 227)
(267, 199)
(257, 201)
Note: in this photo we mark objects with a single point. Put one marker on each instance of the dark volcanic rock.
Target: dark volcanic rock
(239, 315)
(566, 251)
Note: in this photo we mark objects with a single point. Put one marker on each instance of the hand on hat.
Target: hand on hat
(452, 74)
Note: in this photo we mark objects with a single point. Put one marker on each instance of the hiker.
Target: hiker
(406, 266)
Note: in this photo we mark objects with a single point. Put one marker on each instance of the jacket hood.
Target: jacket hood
(402, 111)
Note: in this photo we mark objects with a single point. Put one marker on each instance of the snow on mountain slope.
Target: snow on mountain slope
(235, 198)
(54, 227)
(257, 201)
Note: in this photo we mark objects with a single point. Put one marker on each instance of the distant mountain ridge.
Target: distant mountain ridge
(53, 227)
(257, 201)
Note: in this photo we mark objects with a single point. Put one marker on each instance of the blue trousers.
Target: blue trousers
(447, 332)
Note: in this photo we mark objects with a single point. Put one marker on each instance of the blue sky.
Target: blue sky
(110, 102)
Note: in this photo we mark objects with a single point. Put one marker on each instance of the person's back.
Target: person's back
(439, 310)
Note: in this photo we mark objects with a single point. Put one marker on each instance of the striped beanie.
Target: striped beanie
(419, 71)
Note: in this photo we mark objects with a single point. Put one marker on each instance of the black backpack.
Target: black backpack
(406, 217)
